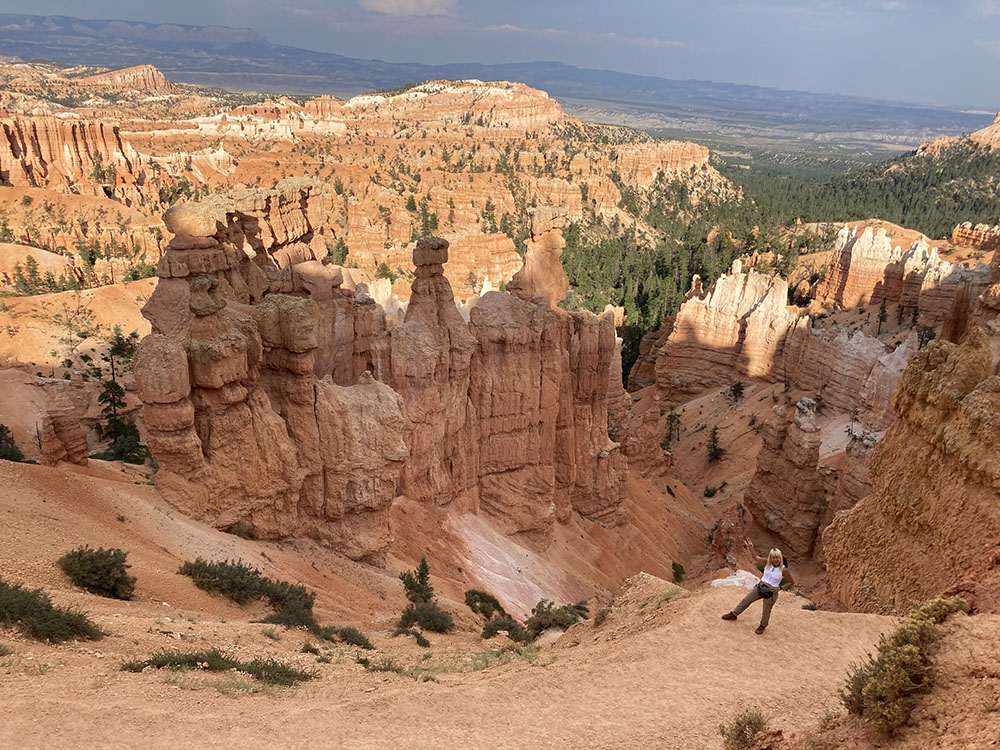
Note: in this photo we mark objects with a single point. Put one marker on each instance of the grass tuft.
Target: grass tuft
(416, 634)
(270, 671)
(33, 612)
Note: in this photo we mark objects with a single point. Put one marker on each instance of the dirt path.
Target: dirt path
(666, 683)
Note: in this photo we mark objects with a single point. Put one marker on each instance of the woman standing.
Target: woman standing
(775, 573)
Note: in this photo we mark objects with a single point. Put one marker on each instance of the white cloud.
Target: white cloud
(592, 36)
(893, 5)
(410, 7)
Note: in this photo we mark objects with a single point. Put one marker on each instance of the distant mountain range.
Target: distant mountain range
(243, 60)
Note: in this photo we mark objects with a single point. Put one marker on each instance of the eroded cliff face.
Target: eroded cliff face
(867, 268)
(275, 396)
(786, 494)
(135, 78)
(932, 522)
(242, 426)
(980, 236)
(62, 153)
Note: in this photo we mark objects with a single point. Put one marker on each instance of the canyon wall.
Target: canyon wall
(932, 522)
(275, 396)
(786, 493)
(981, 236)
(867, 268)
(741, 328)
(62, 153)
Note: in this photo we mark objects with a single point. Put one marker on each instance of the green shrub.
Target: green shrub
(242, 583)
(309, 648)
(884, 687)
(416, 634)
(515, 630)
(483, 603)
(8, 448)
(269, 671)
(740, 733)
(348, 635)
(678, 572)
(32, 611)
(417, 583)
(428, 615)
(101, 571)
(710, 491)
(547, 615)
(811, 606)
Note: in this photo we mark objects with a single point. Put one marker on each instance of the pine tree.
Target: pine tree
(715, 451)
(417, 583)
(8, 448)
(882, 317)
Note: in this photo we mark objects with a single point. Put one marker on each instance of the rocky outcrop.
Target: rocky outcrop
(263, 401)
(981, 236)
(494, 105)
(786, 494)
(243, 427)
(643, 372)
(867, 268)
(136, 78)
(69, 155)
(932, 517)
(639, 164)
(543, 275)
(61, 435)
(740, 327)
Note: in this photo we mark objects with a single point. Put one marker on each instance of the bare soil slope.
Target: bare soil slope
(661, 670)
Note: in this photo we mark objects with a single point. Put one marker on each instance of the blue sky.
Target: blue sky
(935, 51)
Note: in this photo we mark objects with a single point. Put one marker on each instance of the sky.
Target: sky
(944, 52)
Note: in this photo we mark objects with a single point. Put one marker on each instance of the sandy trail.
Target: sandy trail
(667, 686)
(657, 673)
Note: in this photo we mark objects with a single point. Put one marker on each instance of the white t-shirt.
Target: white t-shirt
(772, 576)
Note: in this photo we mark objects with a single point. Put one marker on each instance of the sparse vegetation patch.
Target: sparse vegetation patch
(99, 571)
(883, 688)
(33, 613)
(270, 671)
(740, 733)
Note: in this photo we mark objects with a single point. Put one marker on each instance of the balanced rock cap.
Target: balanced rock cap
(430, 251)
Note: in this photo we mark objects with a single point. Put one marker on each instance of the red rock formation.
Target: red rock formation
(543, 274)
(866, 269)
(639, 164)
(643, 372)
(786, 494)
(505, 415)
(739, 328)
(933, 510)
(62, 154)
(61, 434)
(239, 422)
(981, 236)
(135, 78)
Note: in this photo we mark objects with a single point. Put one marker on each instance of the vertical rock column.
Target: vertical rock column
(785, 494)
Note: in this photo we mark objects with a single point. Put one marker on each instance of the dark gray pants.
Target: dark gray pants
(752, 596)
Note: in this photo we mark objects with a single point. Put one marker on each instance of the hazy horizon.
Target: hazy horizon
(910, 50)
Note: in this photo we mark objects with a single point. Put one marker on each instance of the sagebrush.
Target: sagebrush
(36, 616)
(100, 571)
(271, 671)
(740, 733)
(884, 687)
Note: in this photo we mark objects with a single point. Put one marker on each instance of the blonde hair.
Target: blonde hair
(781, 558)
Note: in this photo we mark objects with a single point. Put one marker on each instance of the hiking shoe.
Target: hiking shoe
(729, 616)
(760, 629)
